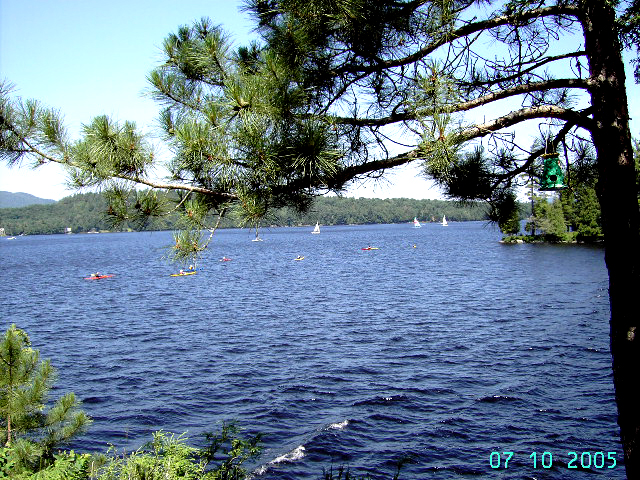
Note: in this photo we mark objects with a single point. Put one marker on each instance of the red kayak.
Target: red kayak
(98, 277)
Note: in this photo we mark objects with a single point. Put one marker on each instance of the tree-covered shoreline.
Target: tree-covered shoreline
(87, 212)
(564, 218)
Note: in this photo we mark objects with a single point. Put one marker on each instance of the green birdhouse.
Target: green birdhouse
(552, 176)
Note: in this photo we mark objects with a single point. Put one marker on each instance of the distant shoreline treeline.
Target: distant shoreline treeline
(87, 212)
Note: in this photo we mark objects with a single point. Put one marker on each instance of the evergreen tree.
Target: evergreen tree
(512, 224)
(555, 227)
(506, 213)
(548, 219)
(588, 217)
(539, 213)
(29, 428)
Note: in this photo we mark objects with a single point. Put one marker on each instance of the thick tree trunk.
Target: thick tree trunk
(618, 200)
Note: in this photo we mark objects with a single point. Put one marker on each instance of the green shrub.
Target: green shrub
(65, 466)
(169, 457)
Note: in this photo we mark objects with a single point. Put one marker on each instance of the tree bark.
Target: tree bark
(617, 194)
(8, 430)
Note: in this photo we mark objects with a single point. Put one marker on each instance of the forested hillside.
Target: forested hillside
(88, 212)
(81, 213)
(345, 211)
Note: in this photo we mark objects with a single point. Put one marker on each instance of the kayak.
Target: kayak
(98, 277)
(183, 274)
(370, 248)
(298, 259)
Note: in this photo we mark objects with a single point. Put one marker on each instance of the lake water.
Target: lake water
(443, 346)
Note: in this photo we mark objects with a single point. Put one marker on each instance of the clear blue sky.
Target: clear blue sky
(90, 57)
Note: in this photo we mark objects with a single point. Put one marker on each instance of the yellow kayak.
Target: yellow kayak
(183, 274)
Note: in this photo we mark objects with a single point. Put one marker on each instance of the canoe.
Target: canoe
(98, 277)
(184, 274)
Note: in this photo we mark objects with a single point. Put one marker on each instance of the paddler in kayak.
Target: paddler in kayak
(97, 274)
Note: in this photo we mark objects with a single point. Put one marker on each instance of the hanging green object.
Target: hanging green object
(552, 176)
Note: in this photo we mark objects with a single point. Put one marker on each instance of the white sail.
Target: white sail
(444, 221)
(316, 229)
(416, 223)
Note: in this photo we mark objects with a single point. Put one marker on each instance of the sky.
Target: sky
(89, 57)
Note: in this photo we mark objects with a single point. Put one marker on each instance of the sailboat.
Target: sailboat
(416, 223)
(444, 221)
(316, 229)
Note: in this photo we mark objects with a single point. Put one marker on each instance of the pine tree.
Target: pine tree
(536, 223)
(556, 229)
(588, 217)
(29, 427)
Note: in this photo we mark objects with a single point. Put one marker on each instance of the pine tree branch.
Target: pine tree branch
(517, 76)
(349, 173)
(136, 179)
(580, 119)
(518, 90)
(164, 93)
(465, 30)
(559, 137)
(468, 105)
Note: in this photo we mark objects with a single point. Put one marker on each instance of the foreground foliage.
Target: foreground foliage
(30, 430)
(167, 457)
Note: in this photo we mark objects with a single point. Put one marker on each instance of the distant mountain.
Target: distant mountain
(17, 200)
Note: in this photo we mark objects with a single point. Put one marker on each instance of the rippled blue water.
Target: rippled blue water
(444, 352)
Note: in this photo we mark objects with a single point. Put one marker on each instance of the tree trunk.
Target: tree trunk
(619, 204)
(8, 430)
